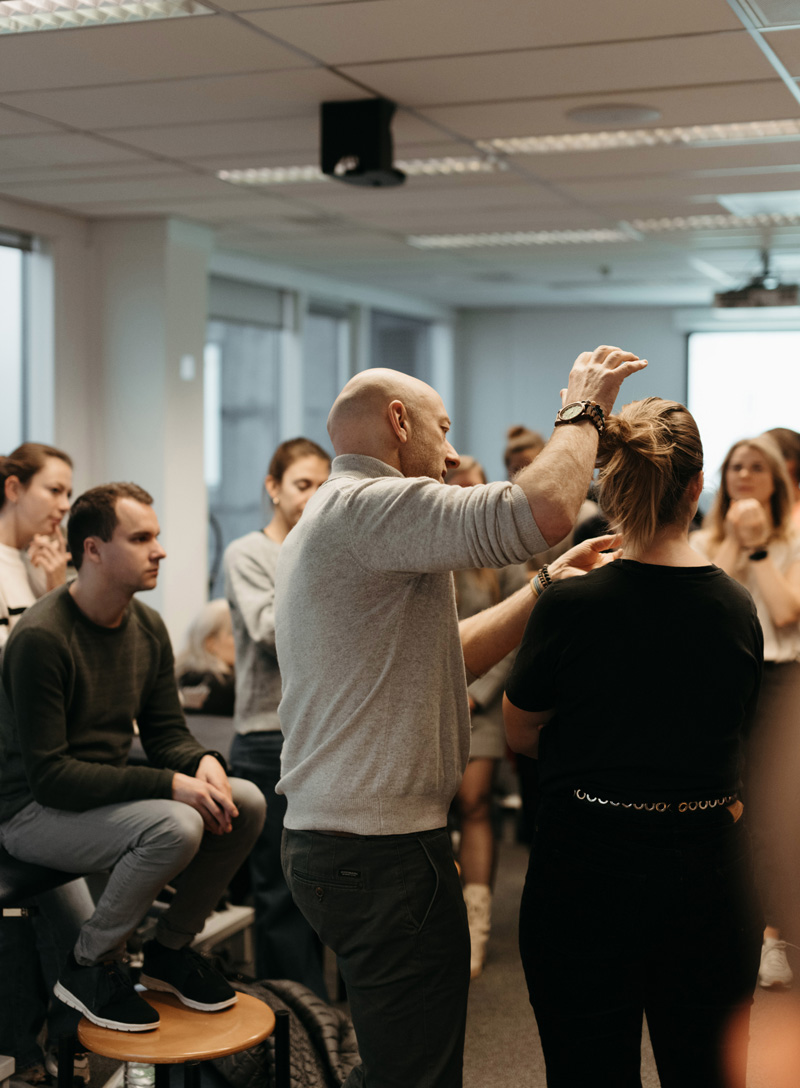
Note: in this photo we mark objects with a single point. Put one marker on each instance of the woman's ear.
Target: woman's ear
(696, 487)
(273, 487)
(12, 488)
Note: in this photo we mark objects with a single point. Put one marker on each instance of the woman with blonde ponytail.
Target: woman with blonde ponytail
(635, 686)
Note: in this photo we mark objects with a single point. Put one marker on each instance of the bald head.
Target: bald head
(385, 414)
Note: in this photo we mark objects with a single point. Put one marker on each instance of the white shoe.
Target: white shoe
(774, 972)
(478, 898)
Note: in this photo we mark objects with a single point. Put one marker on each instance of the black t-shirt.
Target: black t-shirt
(653, 673)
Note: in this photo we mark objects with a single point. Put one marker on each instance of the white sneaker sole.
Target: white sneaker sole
(69, 999)
(775, 984)
(165, 987)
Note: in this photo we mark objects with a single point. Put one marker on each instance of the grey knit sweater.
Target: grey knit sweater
(250, 564)
(374, 707)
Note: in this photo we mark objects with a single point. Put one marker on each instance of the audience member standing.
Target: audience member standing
(286, 946)
(749, 533)
(635, 685)
(788, 442)
(35, 489)
(476, 590)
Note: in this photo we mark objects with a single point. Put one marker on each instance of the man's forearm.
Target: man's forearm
(556, 483)
(487, 637)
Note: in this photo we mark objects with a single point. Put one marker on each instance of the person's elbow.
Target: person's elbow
(554, 522)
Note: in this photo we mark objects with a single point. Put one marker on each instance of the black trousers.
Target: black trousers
(391, 908)
(628, 913)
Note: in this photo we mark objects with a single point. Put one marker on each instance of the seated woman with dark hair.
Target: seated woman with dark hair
(635, 685)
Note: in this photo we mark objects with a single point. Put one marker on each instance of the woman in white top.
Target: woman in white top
(750, 535)
(35, 489)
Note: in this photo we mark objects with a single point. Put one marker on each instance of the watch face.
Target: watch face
(572, 411)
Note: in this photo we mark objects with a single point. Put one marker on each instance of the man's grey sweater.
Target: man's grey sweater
(250, 564)
(374, 708)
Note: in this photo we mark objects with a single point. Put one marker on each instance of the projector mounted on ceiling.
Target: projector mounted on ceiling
(762, 290)
(356, 142)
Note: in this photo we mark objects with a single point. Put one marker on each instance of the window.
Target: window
(242, 390)
(401, 343)
(12, 358)
(739, 385)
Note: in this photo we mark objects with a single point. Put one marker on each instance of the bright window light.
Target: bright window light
(11, 347)
(212, 414)
(741, 384)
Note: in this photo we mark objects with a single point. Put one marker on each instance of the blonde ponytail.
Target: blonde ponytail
(649, 453)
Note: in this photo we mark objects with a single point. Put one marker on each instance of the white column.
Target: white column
(149, 303)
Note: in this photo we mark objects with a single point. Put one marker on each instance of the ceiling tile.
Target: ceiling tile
(786, 44)
(387, 30)
(666, 162)
(761, 100)
(289, 140)
(608, 69)
(134, 52)
(120, 189)
(59, 149)
(88, 171)
(183, 101)
(254, 5)
(18, 124)
(202, 211)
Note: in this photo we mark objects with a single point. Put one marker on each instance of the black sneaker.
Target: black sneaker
(188, 975)
(105, 995)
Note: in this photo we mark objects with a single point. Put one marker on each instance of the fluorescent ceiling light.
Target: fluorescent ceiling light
(695, 135)
(712, 222)
(516, 238)
(702, 135)
(23, 16)
(285, 175)
(625, 232)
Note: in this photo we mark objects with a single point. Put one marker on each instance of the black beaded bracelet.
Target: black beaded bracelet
(544, 577)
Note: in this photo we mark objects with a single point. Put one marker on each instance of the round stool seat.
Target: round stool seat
(184, 1035)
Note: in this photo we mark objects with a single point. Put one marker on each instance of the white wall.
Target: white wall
(511, 364)
(149, 290)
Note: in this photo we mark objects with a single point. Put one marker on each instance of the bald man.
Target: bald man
(375, 714)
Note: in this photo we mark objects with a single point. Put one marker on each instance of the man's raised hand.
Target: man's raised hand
(597, 375)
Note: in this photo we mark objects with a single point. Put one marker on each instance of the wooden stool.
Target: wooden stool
(188, 1037)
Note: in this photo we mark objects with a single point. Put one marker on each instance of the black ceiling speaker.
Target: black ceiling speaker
(356, 142)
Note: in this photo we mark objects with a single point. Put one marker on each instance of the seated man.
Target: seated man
(81, 665)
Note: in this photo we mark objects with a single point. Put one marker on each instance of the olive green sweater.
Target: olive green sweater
(71, 691)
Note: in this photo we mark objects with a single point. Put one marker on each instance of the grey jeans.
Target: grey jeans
(145, 844)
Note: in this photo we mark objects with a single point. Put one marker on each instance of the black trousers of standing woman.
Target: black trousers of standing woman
(627, 913)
